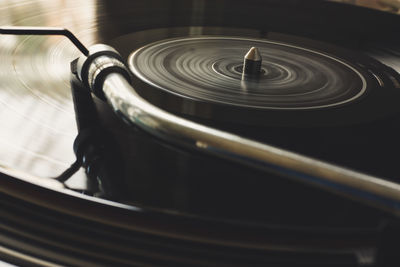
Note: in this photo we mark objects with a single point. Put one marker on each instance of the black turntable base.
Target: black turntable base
(203, 133)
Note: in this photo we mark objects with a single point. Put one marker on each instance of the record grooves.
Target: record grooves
(291, 78)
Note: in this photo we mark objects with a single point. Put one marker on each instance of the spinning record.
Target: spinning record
(35, 88)
(210, 69)
(299, 80)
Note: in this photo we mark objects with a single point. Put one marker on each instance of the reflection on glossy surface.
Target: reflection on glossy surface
(36, 114)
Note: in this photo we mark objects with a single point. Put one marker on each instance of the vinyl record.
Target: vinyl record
(328, 88)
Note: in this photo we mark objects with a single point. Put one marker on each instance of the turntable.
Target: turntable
(199, 133)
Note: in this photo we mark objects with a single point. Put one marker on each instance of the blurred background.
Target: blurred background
(384, 5)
